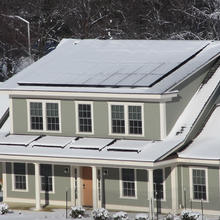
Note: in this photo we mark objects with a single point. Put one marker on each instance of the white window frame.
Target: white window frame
(44, 115)
(191, 183)
(77, 116)
(126, 118)
(121, 184)
(53, 182)
(164, 184)
(13, 178)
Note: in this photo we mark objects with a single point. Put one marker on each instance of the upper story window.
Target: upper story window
(20, 180)
(126, 119)
(199, 184)
(128, 185)
(84, 117)
(158, 184)
(44, 115)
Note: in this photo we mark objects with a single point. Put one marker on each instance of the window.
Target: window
(46, 177)
(44, 115)
(85, 120)
(19, 176)
(52, 116)
(126, 119)
(128, 182)
(135, 119)
(118, 121)
(199, 184)
(84, 115)
(36, 113)
(158, 184)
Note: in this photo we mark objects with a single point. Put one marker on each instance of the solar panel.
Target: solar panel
(53, 141)
(23, 140)
(91, 143)
(128, 145)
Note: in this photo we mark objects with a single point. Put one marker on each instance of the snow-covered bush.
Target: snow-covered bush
(77, 212)
(189, 215)
(169, 217)
(120, 216)
(142, 216)
(3, 208)
(100, 214)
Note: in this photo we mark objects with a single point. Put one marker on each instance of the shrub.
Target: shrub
(142, 216)
(120, 216)
(169, 217)
(189, 215)
(3, 208)
(77, 212)
(100, 214)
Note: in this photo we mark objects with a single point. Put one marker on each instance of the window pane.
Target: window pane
(36, 116)
(118, 121)
(158, 183)
(19, 176)
(135, 119)
(199, 184)
(46, 177)
(85, 119)
(52, 116)
(128, 182)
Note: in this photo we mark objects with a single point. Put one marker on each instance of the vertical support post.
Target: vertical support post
(94, 187)
(4, 181)
(151, 193)
(37, 185)
(174, 188)
(66, 202)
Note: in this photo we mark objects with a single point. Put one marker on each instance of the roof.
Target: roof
(115, 66)
(207, 144)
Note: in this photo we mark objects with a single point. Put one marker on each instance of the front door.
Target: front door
(87, 186)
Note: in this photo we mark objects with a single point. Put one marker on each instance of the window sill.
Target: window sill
(128, 197)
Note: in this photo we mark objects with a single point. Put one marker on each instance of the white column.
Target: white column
(174, 187)
(94, 187)
(4, 181)
(151, 193)
(37, 185)
(163, 123)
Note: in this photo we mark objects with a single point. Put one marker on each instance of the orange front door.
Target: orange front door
(87, 186)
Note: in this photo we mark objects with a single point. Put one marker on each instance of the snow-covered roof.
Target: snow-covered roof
(115, 66)
(207, 144)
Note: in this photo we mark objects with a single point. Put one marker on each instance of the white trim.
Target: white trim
(13, 178)
(53, 183)
(95, 95)
(126, 105)
(77, 116)
(163, 121)
(121, 185)
(4, 180)
(191, 168)
(44, 116)
(11, 119)
(174, 189)
(94, 188)
(37, 185)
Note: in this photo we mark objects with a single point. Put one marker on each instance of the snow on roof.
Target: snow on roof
(87, 65)
(207, 144)
(17, 139)
(90, 143)
(52, 141)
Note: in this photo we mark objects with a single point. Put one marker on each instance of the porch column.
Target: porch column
(37, 185)
(174, 187)
(94, 187)
(4, 181)
(151, 193)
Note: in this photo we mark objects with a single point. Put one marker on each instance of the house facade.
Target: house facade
(106, 124)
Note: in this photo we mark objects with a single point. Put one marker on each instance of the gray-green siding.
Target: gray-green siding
(101, 123)
(61, 184)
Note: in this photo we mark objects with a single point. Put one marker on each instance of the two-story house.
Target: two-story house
(105, 121)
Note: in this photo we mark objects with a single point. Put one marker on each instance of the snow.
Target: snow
(53, 141)
(17, 139)
(206, 145)
(114, 63)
